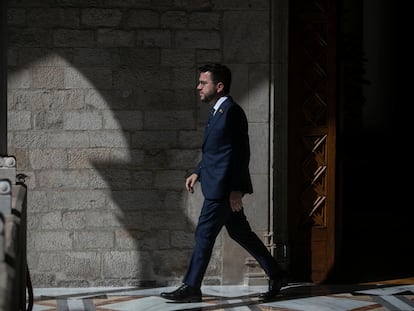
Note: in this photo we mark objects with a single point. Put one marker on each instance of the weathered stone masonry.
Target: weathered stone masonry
(104, 120)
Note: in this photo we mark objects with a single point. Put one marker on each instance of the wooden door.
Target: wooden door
(311, 138)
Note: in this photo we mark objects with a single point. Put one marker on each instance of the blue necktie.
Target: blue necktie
(211, 115)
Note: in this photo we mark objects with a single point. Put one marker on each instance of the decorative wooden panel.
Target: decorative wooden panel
(312, 134)
(314, 169)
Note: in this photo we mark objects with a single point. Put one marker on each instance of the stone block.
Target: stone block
(74, 220)
(182, 159)
(122, 120)
(204, 20)
(143, 19)
(174, 262)
(153, 139)
(173, 20)
(115, 38)
(89, 77)
(19, 120)
(63, 179)
(30, 139)
(51, 221)
(95, 57)
(169, 120)
(29, 37)
(50, 240)
(81, 265)
(75, 199)
(48, 120)
(259, 158)
(53, 17)
(172, 179)
(73, 38)
(208, 56)
(48, 158)
(198, 39)
(181, 239)
(108, 138)
(127, 264)
(248, 42)
(16, 17)
(66, 139)
(101, 17)
(90, 240)
(178, 58)
(88, 158)
(154, 38)
(82, 120)
(19, 79)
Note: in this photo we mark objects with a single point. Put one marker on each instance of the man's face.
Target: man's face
(206, 87)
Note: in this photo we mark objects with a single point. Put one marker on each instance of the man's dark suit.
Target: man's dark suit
(224, 167)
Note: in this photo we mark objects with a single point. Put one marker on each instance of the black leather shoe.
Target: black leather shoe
(185, 293)
(274, 288)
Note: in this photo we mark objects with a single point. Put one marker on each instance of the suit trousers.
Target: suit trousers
(214, 215)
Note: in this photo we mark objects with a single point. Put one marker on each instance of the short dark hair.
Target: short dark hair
(219, 73)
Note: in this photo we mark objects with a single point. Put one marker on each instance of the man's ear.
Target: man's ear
(220, 87)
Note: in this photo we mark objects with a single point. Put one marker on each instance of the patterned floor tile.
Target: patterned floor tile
(295, 297)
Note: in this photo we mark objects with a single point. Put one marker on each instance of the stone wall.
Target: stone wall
(104, 120)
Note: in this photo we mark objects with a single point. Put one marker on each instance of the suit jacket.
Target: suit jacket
(224, 166)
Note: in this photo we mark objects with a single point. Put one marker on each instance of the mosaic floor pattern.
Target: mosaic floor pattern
(295, 297)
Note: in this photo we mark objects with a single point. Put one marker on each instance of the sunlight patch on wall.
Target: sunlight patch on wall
(64, 116)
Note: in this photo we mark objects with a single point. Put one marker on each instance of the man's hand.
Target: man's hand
(236, 203)
(190, 182)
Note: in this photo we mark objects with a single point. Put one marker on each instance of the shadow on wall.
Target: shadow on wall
(109, 136)
(105, 132)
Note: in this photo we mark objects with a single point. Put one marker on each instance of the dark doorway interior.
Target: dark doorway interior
(376, 227)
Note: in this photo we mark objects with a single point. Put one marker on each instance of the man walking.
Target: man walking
(225, 178)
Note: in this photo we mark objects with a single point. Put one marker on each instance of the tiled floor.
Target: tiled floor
(398, 295)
